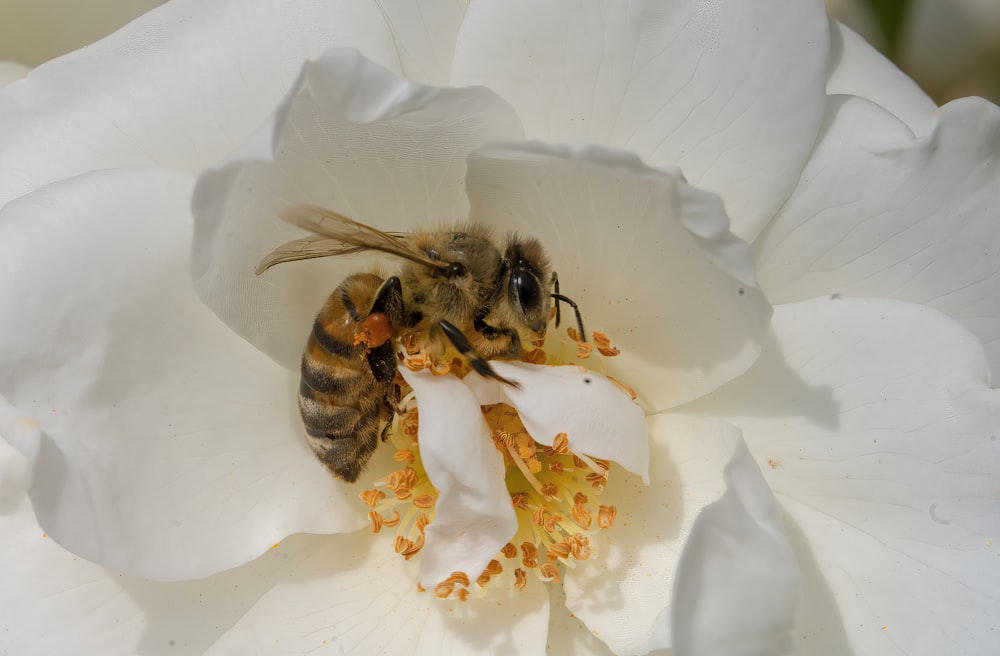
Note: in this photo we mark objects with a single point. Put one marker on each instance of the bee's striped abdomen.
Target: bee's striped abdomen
(339, 397)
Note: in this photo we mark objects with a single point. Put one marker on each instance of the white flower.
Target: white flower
(163, 446)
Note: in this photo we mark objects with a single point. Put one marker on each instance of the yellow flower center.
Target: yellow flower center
(553, 490)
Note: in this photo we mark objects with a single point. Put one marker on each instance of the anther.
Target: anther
(606, 516)
(372, 497)
(603, 345)
(520, 578)
(423, 501)
(549, 572)
(405, 455)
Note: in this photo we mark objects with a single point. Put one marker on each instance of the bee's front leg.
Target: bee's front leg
(479, 364)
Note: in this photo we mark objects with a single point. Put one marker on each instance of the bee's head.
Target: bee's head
(528, 278)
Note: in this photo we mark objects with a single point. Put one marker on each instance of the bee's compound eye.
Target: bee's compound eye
(526, 288)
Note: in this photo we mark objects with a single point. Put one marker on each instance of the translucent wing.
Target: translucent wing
(335, 234)
(305, 249)
(338, 227)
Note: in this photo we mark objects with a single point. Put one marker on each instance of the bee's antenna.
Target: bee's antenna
(569, 301)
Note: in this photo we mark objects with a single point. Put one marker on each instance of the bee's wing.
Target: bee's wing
(353, 236)
(305, 249)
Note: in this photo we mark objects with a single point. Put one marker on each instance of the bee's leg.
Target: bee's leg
(461, 342)
(391, 402)
(495, 347)
(388, 303)
(556, 295)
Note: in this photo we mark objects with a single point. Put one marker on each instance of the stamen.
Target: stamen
(405, 455)
(441, 368)
(447, 589)
(423, 501)
(625, 388)
(549, 572)
(520, 578)
(603, 345)
(534, 356)
(551, 487)
(372, 497)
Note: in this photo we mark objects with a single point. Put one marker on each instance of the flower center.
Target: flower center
(553, 491)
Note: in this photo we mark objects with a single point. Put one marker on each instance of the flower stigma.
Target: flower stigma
(553, 490)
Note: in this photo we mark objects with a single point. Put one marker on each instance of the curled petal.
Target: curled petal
(731, 92)
(353, 137)
(473, 516)
(648, 257)
(738, 583)
(889, 215)
(182, 85)
(875, 426)
(698, 559)
(858, 69)
(598, 418)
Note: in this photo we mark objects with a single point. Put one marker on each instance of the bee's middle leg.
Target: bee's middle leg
(479, 364)
(390, 404)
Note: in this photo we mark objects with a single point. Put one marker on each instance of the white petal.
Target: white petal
(567, 632)
(599, 419)
(182, 85)
(473, 516)
(665, 572)
(356, 596)
(160, 444)
(738, 583)
(52, 602)
(875, 426)
(883, 214)
(423, 35)
(353, 137)
(730, 91)
(12, 464)
(857, 69)
(649, 260)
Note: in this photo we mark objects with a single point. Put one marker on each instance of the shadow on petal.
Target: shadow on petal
(819, 626)
(352, 594)
(191, 615)
(752, 394)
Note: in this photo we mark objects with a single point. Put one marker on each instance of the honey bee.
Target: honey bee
(455, 287)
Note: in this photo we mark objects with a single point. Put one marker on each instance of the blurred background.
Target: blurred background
(950, 47)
